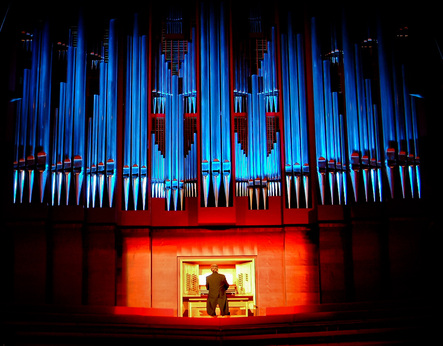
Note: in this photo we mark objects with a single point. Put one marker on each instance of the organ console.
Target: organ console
(240, 274)
(213, 113)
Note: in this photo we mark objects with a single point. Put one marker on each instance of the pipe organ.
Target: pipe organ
(214, 109)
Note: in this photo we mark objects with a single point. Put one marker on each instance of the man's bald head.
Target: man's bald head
(214, 268)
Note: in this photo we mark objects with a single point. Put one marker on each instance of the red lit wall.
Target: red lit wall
(286, 263)
(360, 256)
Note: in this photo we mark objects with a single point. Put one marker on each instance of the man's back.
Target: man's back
(217, 285)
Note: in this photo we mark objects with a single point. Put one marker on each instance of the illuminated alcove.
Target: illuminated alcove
(240, 274)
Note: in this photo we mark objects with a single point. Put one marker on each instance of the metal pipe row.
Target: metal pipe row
(102, 135)
(295, 117)
(215, 106)
(135, 172)
(173, 170)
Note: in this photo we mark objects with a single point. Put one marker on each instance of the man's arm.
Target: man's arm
(207, 283)
(225, 283)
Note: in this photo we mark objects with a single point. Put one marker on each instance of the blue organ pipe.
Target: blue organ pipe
(320, 135)
(337, 146)
(61, 116)
(79, 109)
(25, 112)
(180, 139)
(373, 142)
(399, 120)
(414, 131)
(225, 106)
(295, 101)
(33, 96)
(378, 150)
(409, 132)
(127, 125)
(53, 156)
(111, 148)
(399, 131)
(101, 123)
(205, 106)
(251, 152)
(18, 122)
(416, 148)
(135, 113)
(177, 131)
(319, 111)
(287, 111)
(170, 137)
(154, 167)
(327, 95)
(69, 115)
(335, 130)
(407, 112)
(286, 105)
(96, 125)
(329, 122)
(273, 68)
(224, 86)
(302, 102)
(351, 101)
(33, 99)
(361, 104)
(362, 120)
(263, 140)
(44, 92)
(193, 67)
(214, 77)
(100, 152)
(168, 148)
(111, 111)
(44, 111)
(370, 120)
(371, 137)
(204, 72)
(88, 178)
(252, 127)
(61, 125)
(69, 119)
(180, 150)
(386, 106)
(144, 144)
(350, 93)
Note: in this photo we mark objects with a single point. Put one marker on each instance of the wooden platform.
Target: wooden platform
(381, 323)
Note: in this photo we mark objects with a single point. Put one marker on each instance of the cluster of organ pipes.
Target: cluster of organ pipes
(135, 137)
(363, 140)
(174, 133)
(258, 173)
(216, 163)
(102, 130)
(296, 164)
(178, 140)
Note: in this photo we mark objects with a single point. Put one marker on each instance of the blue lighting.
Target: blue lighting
(177, 140)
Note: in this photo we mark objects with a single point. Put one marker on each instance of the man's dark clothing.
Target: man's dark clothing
(217, 285)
